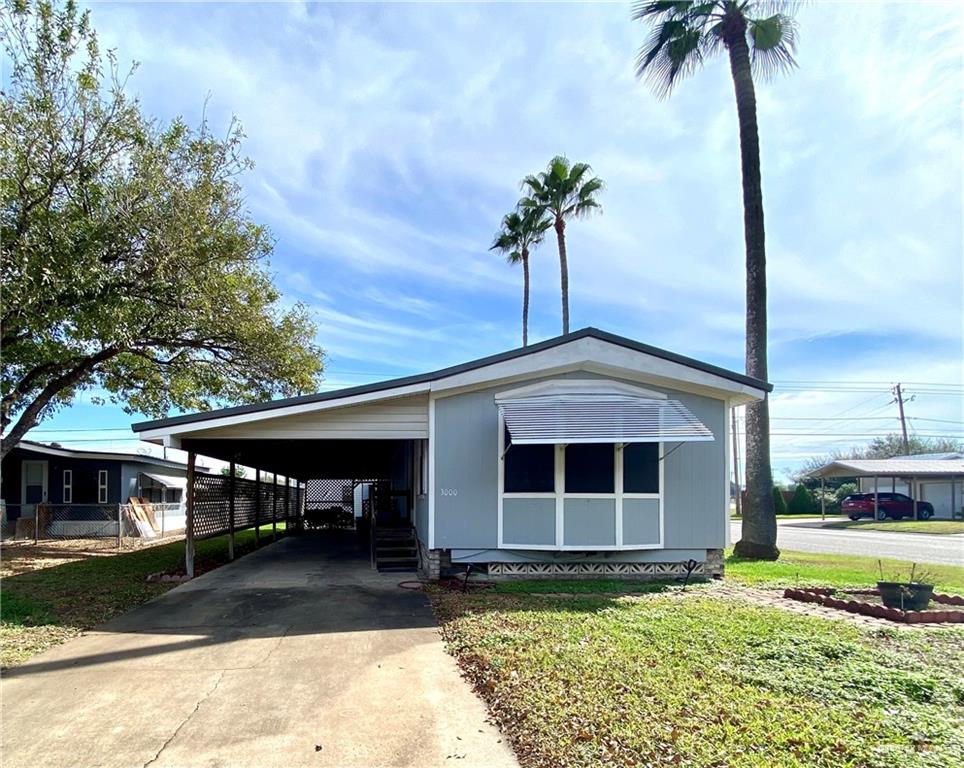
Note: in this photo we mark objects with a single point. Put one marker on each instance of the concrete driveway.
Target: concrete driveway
(291, 656)
(810, 536)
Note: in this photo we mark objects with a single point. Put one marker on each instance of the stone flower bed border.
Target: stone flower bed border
(824, 596)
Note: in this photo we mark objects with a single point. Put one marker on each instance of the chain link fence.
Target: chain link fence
(96, 526)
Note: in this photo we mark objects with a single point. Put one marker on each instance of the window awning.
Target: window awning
(599, 418)
(167, 481)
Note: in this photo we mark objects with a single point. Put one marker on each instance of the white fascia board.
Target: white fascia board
(196, 428)
(607, 359)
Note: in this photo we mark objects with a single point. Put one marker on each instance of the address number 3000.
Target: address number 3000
(450, 491)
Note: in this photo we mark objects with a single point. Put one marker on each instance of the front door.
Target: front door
(33, 488)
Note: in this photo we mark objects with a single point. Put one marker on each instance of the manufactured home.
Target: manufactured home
(586, 454)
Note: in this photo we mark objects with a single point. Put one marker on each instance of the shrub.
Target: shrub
(779, 503)
(845, 490)
(801, 503)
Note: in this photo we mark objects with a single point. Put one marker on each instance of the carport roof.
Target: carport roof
(423, 378)
(902, 467)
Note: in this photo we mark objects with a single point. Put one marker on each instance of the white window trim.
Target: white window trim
(102, 487)
(67, 489)
(560, 497)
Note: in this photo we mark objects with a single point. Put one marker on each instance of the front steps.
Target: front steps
(396, 550)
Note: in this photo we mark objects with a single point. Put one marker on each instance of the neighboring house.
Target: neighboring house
(585, 454)
(37, 473)
(937, 478)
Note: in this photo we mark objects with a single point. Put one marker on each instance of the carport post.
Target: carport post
(274, 509)
(257, 508)
(823, 500)
(287, 502)
(231, 470)
(876, 499)
(915, 492)
(189, 522)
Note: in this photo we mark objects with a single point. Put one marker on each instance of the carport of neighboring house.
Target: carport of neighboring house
(936, 479)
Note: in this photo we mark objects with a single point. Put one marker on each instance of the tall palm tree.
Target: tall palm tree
(758, 37)
(562, 191)
(522, 230)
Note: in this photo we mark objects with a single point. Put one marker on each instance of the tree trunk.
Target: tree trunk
(31, 414)
(525, 297)
(759, 534)
(560, 227)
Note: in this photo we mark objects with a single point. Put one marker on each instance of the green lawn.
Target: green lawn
(702, 680)
(902, 526)
(45, 607)
(806, 568)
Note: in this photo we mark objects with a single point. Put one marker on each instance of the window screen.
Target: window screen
(590, 468)
(641, 468)
(530, 468)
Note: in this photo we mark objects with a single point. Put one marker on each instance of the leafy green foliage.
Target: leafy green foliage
(668, 680)
(522, 230)
(129, 263)
(563, 191)
(685, 34)
(801, 503)
(779, 502)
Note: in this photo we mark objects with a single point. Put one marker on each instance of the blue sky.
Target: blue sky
(389, 140)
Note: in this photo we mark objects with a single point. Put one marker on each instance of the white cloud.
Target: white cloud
(390, 139)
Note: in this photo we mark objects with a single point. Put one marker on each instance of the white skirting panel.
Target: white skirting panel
(592, 569)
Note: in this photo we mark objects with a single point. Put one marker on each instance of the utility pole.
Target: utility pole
(736, 466)
(900, 400)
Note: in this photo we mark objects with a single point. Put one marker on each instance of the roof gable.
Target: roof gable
(587, 343)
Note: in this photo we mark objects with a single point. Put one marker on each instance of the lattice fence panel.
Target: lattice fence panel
(254, 504)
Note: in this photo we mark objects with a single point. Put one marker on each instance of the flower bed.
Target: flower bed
(867, 602)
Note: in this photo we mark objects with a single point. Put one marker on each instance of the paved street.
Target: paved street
(917, 547)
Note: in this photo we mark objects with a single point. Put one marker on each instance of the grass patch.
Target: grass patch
(44, 607)
(940, 527)
(697, 680)
(821, 569)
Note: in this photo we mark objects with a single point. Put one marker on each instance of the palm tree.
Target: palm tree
(758, 37)
(522, 230)
(562, 191)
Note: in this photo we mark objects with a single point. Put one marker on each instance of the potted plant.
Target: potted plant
(911, 595)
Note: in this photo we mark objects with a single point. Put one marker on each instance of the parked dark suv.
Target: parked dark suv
(892, 505)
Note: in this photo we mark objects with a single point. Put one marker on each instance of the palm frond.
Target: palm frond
(671, 55)
(773, 41)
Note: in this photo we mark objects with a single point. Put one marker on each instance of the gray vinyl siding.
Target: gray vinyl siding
(421, 518)
(529, 521)
(466, 463)
(589, 522)
(640, 521)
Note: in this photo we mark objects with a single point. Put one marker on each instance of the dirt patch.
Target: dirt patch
(24, 556)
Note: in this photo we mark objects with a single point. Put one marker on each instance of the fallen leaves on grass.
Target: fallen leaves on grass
(695, 680)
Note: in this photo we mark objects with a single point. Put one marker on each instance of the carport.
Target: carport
(307, 452)
(916, 474)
